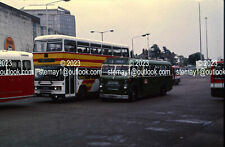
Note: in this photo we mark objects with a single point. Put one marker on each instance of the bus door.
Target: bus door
(70, 81)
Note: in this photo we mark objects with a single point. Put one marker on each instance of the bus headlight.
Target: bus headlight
(35, 88)
(57, 88)
(125, 86)
(100, 86)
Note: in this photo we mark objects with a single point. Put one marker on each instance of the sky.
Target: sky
(171, 23)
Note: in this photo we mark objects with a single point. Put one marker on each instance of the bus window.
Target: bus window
(107, 50)
(107, 69)
(96, 49)
(16, 66)
(2, 69)
(99, 51)
(110, 52)
(83, 47)
(70, 46)
(116, 51)
(40, 46)
(79, 43)
(26, 65)
(125, 52)
(54, 45)
(104, 51)
(86, 50)
(123, 70)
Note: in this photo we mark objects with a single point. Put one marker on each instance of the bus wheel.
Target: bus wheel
(82, 92)
(133, 95)
(163, 91)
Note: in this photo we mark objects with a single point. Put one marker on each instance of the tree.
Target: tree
(155, 51)
(168, 55)
(194, 57)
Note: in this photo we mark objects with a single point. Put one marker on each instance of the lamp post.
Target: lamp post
(206, 38)
(147, 34)
(200, 32)
(102, 32)
(46, 10)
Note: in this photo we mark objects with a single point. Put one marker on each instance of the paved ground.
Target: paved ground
(186, 116)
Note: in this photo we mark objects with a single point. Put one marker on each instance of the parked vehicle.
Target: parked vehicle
(217, 79)
(176, 74)
(76, 64)
(127, 78)
(16, 75)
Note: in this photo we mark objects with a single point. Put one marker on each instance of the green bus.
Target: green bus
(128, 78)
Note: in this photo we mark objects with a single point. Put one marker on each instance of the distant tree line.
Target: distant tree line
(155, 53)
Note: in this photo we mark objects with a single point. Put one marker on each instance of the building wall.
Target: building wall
(20, 27)
(61, 22)
(67, 25)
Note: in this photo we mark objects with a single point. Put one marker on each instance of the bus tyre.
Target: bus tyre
(163, 91)
(132, 95)
(82, 92)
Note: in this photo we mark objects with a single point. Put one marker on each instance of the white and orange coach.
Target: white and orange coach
(57, 57)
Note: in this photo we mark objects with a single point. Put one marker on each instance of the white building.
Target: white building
(17, 29)
(59, 19)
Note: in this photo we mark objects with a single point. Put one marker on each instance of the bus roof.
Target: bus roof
(133, 60)
(49, 37)
(15, 55)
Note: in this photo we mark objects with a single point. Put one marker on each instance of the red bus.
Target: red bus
(217, 79)
(16, 75)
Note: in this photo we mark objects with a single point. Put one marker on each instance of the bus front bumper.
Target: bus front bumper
(113, 96)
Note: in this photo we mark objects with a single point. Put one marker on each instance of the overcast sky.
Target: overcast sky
(171, 23)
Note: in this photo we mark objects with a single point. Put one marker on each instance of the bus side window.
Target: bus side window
(110, 52)
(83, 47)
(16, 66)
(140, 70)
(70, 46)
(2, 68)
(79, 49)
(125, 52)
(162, 67)
(133, 70)
(86, 50)
(96, 48)
(26, 65)
(116, 51)
(152, 68)
(157, 68)
(94, 51)
(99, 51)
(105, 51)
(148, 66)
